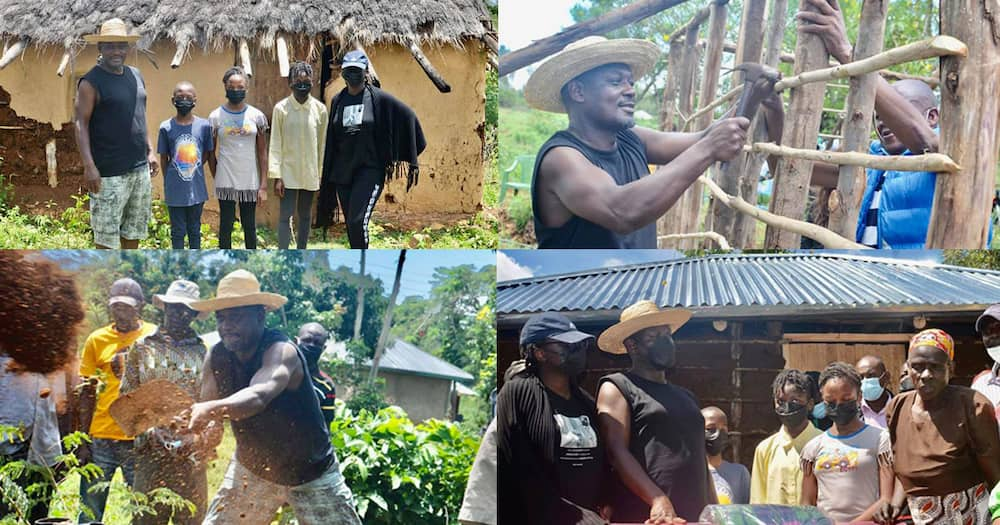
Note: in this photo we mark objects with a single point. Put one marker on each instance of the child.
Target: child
(184, 146)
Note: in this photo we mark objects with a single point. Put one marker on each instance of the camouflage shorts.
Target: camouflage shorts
(247, 499)
(122, 208)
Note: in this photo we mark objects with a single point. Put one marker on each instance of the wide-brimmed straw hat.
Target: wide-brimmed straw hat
(240, 288)
(180, 292)
(113, 30)
(639, 316)
(542, 89)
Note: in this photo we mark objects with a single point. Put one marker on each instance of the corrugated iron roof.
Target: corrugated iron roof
(403, 357)
(732, 284)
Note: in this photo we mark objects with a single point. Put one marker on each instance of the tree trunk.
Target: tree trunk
(668, 117)
(791, 182)
(383, 336)
(858, 120)
(360, 307)
(970, 110)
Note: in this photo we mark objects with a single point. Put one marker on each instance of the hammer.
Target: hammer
(758, 84)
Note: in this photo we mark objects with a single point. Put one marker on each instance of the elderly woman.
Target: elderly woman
(945, 444)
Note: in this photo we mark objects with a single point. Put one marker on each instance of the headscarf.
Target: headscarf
(935, 338)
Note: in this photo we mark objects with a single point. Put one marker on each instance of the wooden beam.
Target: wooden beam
(791, 180)
(426, 65)
(668, 106)
(605, 23)
(846, 338)
(50, 161)
(857, 126)
(679, 214)
(970, 115)
(941, 45)
(179, 54)
(699, 17)
(708, 109)
(732, 173)
(490, 39)
(936, 162)
(64, 62)
(245, 58)
(827, 238)
(13, 52)
(282, 48)
(720, 240)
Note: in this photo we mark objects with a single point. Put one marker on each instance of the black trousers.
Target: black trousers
(357, 201)
(227, 216)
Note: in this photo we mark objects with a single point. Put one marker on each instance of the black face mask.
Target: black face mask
(302, 88)
(716, 442)
(842, 414)
(353, 76)
(184, 106)
(236, 95)
(663, 352)
(791, 414)
(311, 353)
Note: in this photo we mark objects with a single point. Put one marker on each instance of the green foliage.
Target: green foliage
(983, 259)
(400, 472)
(351, 374)
(523, 132)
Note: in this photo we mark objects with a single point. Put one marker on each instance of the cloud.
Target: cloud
(508, 268)
(614, 261)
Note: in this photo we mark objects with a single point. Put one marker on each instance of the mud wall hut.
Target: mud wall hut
(754, 315)
(45, 57)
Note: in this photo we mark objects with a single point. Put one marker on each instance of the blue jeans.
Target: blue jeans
(109, 454)
(185, 220)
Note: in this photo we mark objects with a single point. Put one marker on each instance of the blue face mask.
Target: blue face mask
(871, 389)
(819, 411)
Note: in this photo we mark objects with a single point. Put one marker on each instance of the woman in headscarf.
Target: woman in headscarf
(371, 135)
(945, 444)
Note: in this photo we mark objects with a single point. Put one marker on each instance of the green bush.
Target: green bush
(400, 472)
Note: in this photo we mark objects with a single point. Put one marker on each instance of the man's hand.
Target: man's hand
(261, 195)
(201, 415)
(662, 511)
(154, 163)
(724, 139)
(828, 24)
(91, 179)
(279, 188)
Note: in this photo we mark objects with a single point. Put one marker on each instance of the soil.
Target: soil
(509, 231)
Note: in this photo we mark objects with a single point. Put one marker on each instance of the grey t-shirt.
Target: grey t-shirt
(734, 485)
(24, 404)
(846, 470)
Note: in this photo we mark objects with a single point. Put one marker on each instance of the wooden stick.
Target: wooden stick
(970, 115)
(700, 16)
(719, 239)
(179, 54)
(428, 68)
(50, 160)
(731, 94)
(13, 52)
(490, 39)
(605, 23)
(940, 45)
(936, 162)
(282, 48)
(668, 106)
(245, 58)
(827, 238)
(64, 62)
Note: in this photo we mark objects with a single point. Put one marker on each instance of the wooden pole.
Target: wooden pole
(827, 238)
(50, 161)
(64, 62)
(179, 55)
(13, 52)
(720, 240)
(710, 107)
(700, 16)
(245, 58)
(677, 216)
(748, 49)
(359, 312)
(668, 107)
(383, 336)
(776, 34)
(605, 23)
(937, 162)
(428, 68)
(791, 182)
(282, 48)
(970, 111)
(857, 124)
(933, 47)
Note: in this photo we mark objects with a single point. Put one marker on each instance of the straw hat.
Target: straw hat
(542, 89)
(641, 315)
(113, 30)
(180, 292)
(240, 288)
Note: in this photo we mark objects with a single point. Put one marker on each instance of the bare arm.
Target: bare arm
(262, 165)
(810, 488)
(663, 147)
(86, 99)
(210, 156)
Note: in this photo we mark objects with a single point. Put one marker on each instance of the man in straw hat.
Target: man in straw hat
(551, 464)
(591, 186)
(653, 430)
(118, 157)
(103, 361)
(167, 456)
(259, 380)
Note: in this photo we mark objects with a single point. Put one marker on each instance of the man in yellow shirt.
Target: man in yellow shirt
(776, 477)
(295, 158)
(101, 369)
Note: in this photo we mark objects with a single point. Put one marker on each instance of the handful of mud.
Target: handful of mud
(40, 312)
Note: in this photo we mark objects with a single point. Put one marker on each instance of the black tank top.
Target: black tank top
(668, 440)
(118, 123)
(288, 443)
(627, 163)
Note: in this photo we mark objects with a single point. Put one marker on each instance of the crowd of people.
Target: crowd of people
(344, 154)
(644, 452)
(152, 399)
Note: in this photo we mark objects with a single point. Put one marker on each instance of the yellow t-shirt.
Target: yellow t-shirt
(104, 356)
(776, 477)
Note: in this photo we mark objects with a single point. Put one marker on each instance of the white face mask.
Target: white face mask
(994, 352)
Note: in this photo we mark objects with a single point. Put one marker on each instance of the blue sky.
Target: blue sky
(523, 21)
(418, 269)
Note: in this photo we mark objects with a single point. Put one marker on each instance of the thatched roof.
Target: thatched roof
(215, 23)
